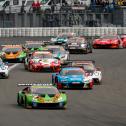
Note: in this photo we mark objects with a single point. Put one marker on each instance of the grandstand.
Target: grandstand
(60, 13)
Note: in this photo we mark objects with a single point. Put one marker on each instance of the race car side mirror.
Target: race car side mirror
(98, 68)
(23, 92)
(57, 73)
(63, 92)
(57, 58)
(6, 63)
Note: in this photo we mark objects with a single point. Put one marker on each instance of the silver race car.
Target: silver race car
(60, 53)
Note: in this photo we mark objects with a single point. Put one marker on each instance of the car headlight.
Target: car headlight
(3, 68)
(63, 56)
(96, 73)
(60, 99)
(56, 61)
(65, 40)
(83, 45)
(87, 80)
(53, 39)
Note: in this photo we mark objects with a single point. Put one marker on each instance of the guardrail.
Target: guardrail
(54, 31)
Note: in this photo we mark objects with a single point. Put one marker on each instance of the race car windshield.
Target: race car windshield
(62, 36)
(7, 50)
(80, 41)
(42, 56)
(48, 90)
(109, 37)
(57, 50)
(88, 67)
(54, 50)
(71, 72)
(30, 46)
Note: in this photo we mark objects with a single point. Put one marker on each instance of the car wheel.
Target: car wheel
(120, 46)
(6, 77)
(100, 82)
(25, 67)
(26, 105)
(18, 100)
(86, 51)
(30, 68)
(62, 106)
(90, 50)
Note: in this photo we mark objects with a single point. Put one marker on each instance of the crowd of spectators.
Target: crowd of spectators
(104, 5)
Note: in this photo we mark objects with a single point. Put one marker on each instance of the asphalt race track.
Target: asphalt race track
(105, 105)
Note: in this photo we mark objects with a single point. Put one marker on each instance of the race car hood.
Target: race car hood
(71, 78)
(45, 61)
(14, 55)
(48, 98)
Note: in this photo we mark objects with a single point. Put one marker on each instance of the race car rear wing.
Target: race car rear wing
(38, 42)
(34, 84)
(12, 45)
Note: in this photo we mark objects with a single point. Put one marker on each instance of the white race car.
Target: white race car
(90, 69)
(4, 72)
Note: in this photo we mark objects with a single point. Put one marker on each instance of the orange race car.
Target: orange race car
(12, 53)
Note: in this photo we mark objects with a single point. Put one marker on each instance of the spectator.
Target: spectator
(36, 6)
(22, 8)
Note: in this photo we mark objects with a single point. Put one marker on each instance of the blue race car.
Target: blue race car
(72, 77)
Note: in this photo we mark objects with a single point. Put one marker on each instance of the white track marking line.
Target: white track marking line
(13, 66)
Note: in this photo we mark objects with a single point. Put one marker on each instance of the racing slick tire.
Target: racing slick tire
(30, 68)
(18, 100)
(86, 51)
(99, 83)
(26, 105)
(25, 67)
(61, 106)
(120, 46)
(6, 76)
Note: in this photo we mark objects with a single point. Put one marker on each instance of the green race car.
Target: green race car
(34, 46)
(41, 96)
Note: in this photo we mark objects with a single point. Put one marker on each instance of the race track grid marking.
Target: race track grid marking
(13, 66)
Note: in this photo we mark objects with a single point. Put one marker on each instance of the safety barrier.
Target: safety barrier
(54, 31)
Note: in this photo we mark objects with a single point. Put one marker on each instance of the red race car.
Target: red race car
(110, 41)
(123, 38)
(40, 60)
